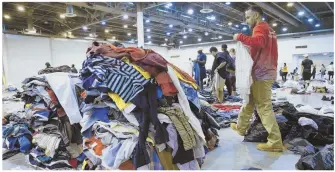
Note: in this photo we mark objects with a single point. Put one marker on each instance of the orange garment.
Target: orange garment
(185, 75)
(96, 144)
(164, 81)
(135, 53)
(52, 95)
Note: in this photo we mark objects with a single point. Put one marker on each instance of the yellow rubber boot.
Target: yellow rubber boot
(234, 127)
(266, 147)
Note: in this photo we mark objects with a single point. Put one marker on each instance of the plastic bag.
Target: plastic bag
(257, 132)
(322, 160)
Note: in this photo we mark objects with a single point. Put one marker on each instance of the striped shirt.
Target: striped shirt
(117, 76)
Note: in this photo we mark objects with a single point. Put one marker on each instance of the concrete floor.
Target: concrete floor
(232, 153)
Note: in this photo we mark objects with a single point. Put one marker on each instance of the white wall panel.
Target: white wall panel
(26, 55)
(68, 52)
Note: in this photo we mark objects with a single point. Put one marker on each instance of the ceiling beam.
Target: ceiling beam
(330, 7)
(278, 6)
(278, 13)
(300, 6)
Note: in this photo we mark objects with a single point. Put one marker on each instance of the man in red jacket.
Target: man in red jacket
(264, 52)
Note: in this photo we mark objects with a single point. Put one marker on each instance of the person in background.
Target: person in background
(232, 53)
(323, 71)
(47, 65)
(281, 73)
(306, 70)
(314, 71)
(264, 52)
(230, 64)
(73, 69)
(221, 75)
(330, 69)
(201, 61)
(285, 71)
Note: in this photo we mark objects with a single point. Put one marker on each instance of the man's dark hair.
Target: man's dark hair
(47, 64)
(213, 49)
(256, 9)
(199, 51)
(72, 65)
(224, 46)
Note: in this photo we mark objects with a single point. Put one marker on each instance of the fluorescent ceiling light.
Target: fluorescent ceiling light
(168, 34)
(301, 13)
(91, 35)
(166, 39)
(317, 25)
(129, 34)
(190, 11)
(206, 33)
(171, 26)
(211, 18)
(125, 26)
(162, 10)
(310, 19)
(113, 37)
(168, 5)
(244, 28)
(184, 36)
(125, 16)
(220, 37)
(85, 28)
(7, 16)
(148, 30)
(181, 42)
(290, 4)
(227, 3)
(62, 16)
(20, 8)
(274, 24)
(106, 30)
(190, 30)
(237, 25)
(199, 39)
(147, 21)
(185, 16)
(263, 19)
(149, 42)
(285, 29)
(230, 23)
(103, 23)
(148, 37)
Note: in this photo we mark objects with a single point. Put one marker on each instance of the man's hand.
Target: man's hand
(235, 37)
(194, 60)
(216, 70)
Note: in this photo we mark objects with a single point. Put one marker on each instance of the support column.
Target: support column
(30, 19)
(140, 26)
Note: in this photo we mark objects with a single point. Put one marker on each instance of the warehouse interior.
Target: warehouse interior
(122, 85)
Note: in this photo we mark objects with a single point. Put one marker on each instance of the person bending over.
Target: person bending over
(221, 74)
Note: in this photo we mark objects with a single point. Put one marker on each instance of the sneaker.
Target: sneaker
(234, 127)
(266, 147)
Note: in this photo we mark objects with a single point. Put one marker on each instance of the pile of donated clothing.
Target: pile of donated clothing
(305, 130)
(129, 109)
(44, 131)
(142, 111)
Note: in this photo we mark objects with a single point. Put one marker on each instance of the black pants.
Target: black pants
(313, 74)
(331, 73)
(284, 76)
(229, 86)
(233, 82)
(306, 76)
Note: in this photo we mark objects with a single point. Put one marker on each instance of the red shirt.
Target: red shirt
(264, 51)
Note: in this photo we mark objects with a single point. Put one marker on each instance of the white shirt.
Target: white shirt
(330, 68)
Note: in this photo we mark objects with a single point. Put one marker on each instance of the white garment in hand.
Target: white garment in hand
(243, 70)
(303, 121)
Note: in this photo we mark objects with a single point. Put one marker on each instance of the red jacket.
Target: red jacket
(264, 51)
